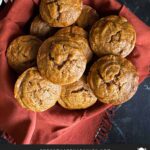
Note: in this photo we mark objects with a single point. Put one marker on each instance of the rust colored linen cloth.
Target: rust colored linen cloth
(57, 125)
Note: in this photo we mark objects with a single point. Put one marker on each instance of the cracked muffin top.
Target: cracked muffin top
(39, 28)
(72, 30)
(112, 35)
(61, 61)
(88, 17)
(113, 79)
(22, 52)
(78, 35)
(35, 93)
(77, 95)
(60, 13)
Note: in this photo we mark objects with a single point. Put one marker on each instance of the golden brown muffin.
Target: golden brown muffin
(22, 52)
(39, 28)
(88, 17)
(61, 61)
(112, 35)
(60, 13)
(77, 95)
(78, 35)
(35, 93)
(72, 30)
(113, 79)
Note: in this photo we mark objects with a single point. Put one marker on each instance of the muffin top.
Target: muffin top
(88, 17)
(112, 35)
(60, 13)
(39, 28)
(113, 79)
(77, 95)
(61, 61)
(35, 93)
(77, 36)
(22, 52)
(72, 30)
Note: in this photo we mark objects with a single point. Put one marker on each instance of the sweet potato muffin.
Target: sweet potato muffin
(78, 36)
(60, 13)
(112, 35)
(34, 92)
(61, 61)
(113, 79)
(77, 95)
(22, 52)
(40, 29)
(72, 30)
(88, 17)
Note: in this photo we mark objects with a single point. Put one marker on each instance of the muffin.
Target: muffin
(112, 35)
(60, 13)
(88, 17)
(34, 92)
(113, 79)
(61, 61)
(76, 34)
(77, 95)
(22, 52)
(72, 30)
(40, 29)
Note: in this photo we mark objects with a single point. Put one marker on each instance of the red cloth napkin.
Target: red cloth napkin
(57, 125)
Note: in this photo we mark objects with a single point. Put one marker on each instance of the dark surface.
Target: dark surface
(139, 7)
(131, 124)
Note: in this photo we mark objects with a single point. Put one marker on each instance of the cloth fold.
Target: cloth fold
(57, 125)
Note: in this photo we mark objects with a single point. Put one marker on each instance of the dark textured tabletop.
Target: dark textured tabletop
(131, 124)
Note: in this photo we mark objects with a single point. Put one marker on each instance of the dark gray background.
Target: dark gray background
(131, 124)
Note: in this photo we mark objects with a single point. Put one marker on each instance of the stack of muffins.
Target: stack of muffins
(54, 66)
